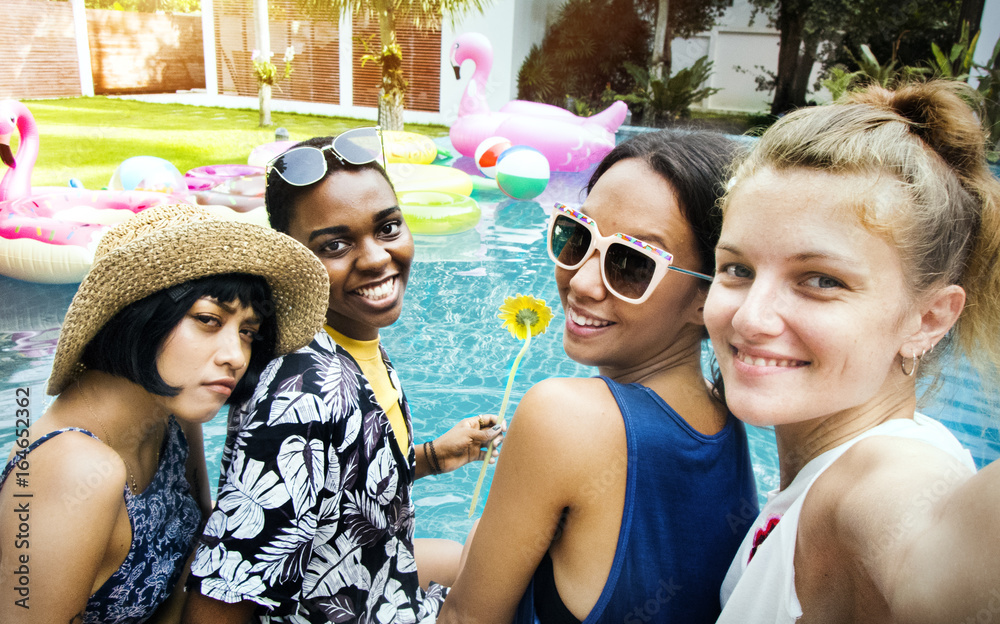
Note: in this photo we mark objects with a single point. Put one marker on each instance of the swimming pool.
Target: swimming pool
(448, 347)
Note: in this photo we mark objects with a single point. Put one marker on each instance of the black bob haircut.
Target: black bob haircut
(697, 166)
(129, 344)
(280, 197)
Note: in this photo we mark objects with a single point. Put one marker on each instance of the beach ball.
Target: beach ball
(488, 153)
(522, 172)
(148, 173)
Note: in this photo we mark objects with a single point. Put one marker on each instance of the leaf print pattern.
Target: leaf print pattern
(251, 493)
(350, 471)
(334, 567)
(373, 433)
(362, 519)
(300, 463)
(337, 608)
(292, 384)
(332, 471)
(381, 482)
(314, 520)
(264, 383)
(295, 408)
(234, 579)
(339, 383)
(286, 556)
(211, 539)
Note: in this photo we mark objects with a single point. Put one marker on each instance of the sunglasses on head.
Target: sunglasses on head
(305, 165)
(630, 268)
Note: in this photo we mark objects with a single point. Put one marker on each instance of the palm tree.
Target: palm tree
(421, 13)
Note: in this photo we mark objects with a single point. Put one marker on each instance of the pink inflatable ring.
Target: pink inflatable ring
(51, 238)
(240, 187)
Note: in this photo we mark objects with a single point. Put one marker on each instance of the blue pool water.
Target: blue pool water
(448, 347)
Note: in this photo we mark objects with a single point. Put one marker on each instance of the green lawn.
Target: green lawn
(87, 138)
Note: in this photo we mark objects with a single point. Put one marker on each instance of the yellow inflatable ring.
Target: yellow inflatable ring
(408, 147)
(409, 177)
(438, 212)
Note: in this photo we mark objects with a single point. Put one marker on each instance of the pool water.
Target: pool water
(449, 349)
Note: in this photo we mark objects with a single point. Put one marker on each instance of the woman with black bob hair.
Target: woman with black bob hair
(621, 498)
(128, 345)
(179, 315)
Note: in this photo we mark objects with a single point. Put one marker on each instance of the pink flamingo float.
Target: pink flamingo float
(569, 142)
(49, 234)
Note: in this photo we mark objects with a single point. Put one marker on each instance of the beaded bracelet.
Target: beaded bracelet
(432, 458)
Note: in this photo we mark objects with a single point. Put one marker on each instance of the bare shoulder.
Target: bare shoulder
(881, 476)
(75, 465)
(574, 422)
(877, 499)
(568, 408)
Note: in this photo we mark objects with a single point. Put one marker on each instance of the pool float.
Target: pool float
(569, 142)
(408, 147)
(438, 212)
(15, 183)
(239, 187)
(410, 177)
(263, 154)
(400, 147)
(50, 236)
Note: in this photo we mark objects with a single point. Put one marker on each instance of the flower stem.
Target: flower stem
(503, 409)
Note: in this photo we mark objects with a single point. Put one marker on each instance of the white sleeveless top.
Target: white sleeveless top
(762, 590)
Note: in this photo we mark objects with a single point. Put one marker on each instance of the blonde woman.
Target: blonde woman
(860, 241)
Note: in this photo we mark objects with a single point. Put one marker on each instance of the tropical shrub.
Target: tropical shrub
(672, 98)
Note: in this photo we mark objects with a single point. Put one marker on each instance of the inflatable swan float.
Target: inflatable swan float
(569, 142)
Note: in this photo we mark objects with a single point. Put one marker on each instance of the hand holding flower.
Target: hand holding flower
(464, 443)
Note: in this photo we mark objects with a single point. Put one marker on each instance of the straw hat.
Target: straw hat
(168, 245)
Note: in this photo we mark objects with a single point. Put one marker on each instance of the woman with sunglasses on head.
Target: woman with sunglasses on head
(103, 495)
(859, 240)
(621, 497)
(315, 520)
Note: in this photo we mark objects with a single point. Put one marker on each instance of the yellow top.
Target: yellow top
(366, 353)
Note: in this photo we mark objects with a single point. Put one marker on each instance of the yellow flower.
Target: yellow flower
(523, 312)
(524, 317)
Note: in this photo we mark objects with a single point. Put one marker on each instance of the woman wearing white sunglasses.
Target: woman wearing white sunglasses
(621, 497)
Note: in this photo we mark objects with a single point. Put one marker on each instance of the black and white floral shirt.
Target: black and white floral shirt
(314, 520)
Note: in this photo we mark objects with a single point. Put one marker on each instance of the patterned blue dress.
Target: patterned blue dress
(164, 518)
(314, 520)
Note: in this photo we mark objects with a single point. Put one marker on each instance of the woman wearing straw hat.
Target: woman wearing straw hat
(179, 315)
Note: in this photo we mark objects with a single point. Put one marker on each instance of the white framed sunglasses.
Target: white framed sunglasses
(305, 165)
(630, 268)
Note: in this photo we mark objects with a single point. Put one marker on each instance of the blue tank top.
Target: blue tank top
(689, 498)
(164, 518)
